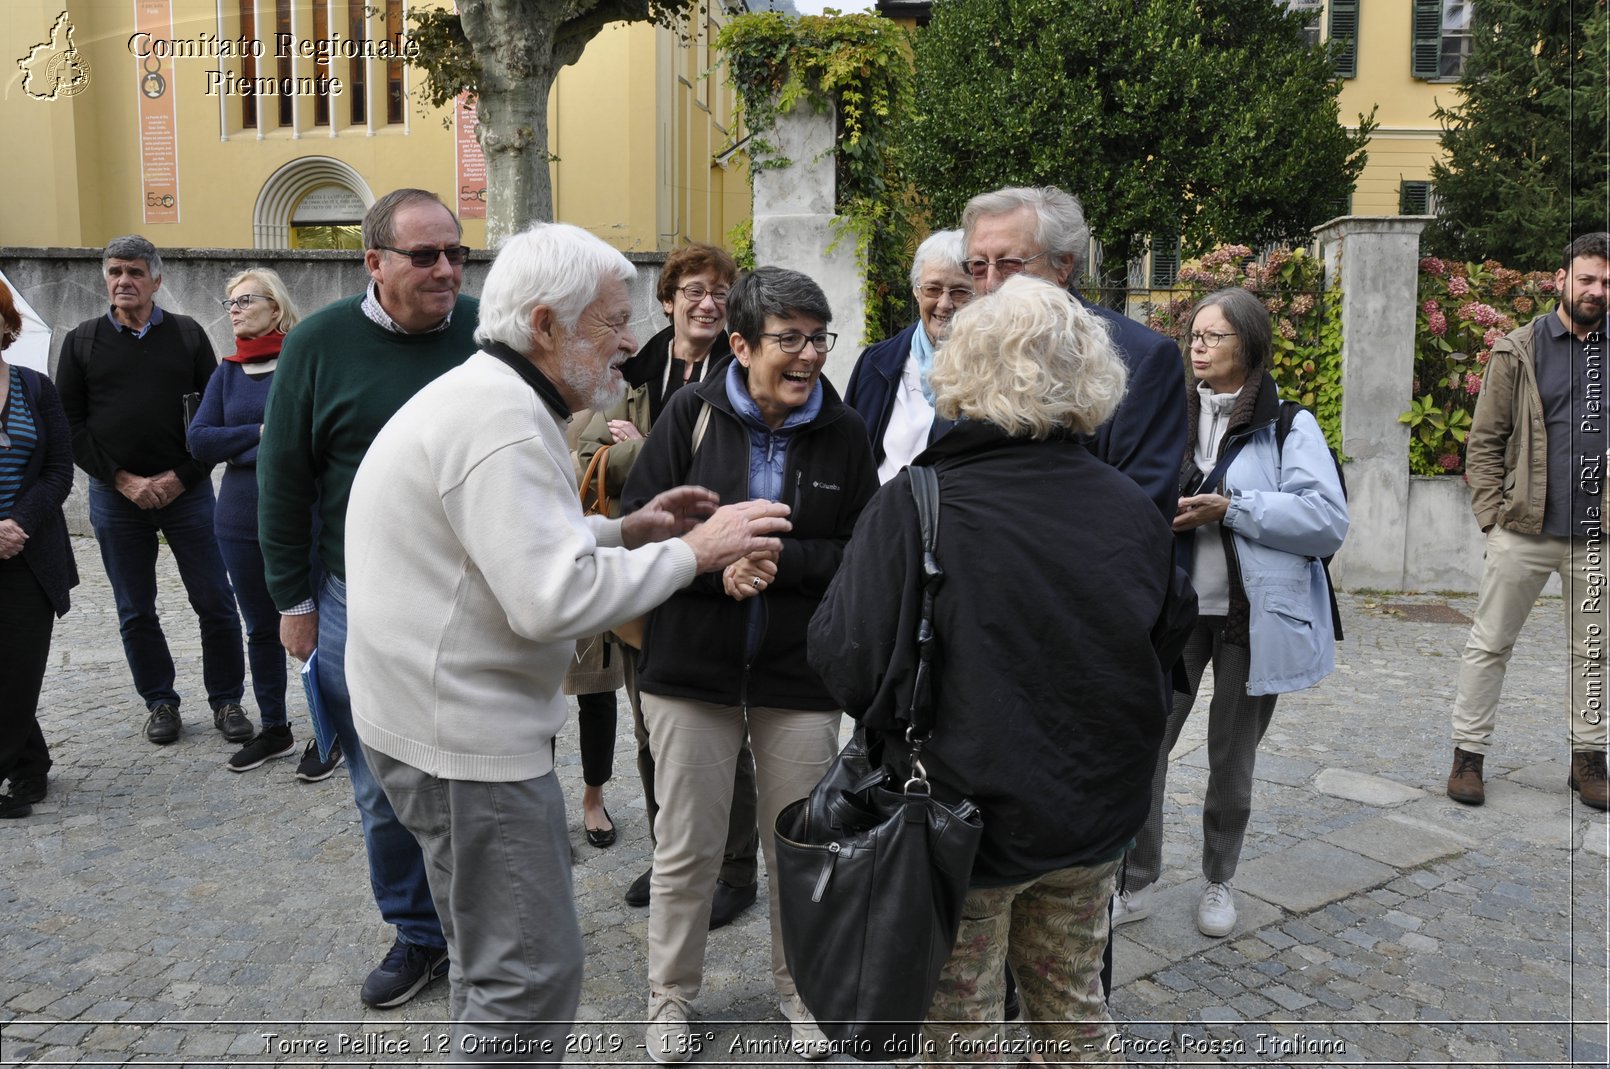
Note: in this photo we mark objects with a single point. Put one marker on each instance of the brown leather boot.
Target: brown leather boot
(1464, 782)
(1588, 778)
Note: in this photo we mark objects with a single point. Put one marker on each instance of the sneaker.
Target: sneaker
(1215, 916)
(667, 1038)
(162, 726)
(637, 894)
(274, 742)
(808, 1041)
(1130, 906)
(230, 718)
(313, 768)
(1464, 782)
(1587, 778)
(402, 974)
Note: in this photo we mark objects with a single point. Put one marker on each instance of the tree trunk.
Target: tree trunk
(515, 44)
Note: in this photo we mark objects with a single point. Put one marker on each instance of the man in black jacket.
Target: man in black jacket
(123, 377)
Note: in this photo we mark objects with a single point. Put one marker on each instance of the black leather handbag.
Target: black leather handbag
(872, 869)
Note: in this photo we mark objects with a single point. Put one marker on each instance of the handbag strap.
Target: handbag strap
(596, 467)
(925, 491)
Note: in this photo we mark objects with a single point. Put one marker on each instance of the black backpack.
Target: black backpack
(1288, 414)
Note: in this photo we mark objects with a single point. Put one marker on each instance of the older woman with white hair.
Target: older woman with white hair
(1056, 619)
(889, 385)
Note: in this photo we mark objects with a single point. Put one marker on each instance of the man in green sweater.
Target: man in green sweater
(342, 374)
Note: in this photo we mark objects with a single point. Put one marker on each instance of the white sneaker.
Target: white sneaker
(1128, 906)
(1215, 916)
(809, 1042)
(668, 1039)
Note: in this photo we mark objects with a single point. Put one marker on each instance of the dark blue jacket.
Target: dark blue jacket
(46, 481)
(1145, 437)
(872, 384)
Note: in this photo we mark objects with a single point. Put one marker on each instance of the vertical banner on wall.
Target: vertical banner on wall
(471, 164)
(159, 128)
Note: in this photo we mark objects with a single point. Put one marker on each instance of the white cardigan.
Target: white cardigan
(471, 573)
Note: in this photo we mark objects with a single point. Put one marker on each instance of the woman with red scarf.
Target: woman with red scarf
(226, 430)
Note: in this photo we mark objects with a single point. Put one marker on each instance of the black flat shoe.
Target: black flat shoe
(601, 837)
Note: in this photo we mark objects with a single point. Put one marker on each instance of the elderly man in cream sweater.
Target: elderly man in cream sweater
(471, 572)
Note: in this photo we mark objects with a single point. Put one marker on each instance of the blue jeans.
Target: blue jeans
(264, 653)
(396, 865)
(128, 539)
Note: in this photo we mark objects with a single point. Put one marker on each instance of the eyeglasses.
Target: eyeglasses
(1209, 338)
(958, 294)
(456, 254)
(1006, 265)
(793, 341)
(696, 293)
(243, 302)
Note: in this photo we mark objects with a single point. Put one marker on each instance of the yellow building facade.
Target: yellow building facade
(127, 116)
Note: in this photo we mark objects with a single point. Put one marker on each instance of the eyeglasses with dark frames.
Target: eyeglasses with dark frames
(695, 293)
(1212, 339)
(244, 301)
(456, 254)
(792, 341)
(1006, 265)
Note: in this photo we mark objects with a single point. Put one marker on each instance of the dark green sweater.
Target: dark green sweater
(340, 378)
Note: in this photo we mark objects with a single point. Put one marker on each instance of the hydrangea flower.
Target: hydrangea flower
(1473, 384)
(1458, 287)
(1448, 461)
(1433, 266)
(1437, 323)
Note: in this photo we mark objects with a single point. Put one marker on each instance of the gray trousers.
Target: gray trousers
(1236, 723)
(498, 859)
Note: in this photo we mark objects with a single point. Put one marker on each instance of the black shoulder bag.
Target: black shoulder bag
(872, 871)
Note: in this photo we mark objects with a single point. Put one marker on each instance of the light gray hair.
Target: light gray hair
(270, 280)
(133, 247)
(1061, 229)
(553, 264)
(1029, 359)
(945, 247)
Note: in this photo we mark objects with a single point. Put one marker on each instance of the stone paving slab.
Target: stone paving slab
(159, 910)
(1362, 787)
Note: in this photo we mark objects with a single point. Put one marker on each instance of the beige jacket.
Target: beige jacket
(1506, 455)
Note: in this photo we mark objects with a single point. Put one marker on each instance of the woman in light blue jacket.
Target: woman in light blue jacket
(1254, 517)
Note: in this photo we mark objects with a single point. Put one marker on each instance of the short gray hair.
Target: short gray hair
(1061, 230)
(1248, 318)
(553, 264)
(133, 247)
(1029, 359)
(773, 291)
(380, 221)
(946, 247)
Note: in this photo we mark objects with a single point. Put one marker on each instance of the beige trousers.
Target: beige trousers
(1517, 567)
(695, 746)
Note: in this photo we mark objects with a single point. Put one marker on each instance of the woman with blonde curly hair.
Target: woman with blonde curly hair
(1055, 621)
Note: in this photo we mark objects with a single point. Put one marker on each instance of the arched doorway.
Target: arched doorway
(311, 203)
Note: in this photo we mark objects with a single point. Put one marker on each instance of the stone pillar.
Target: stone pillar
(1375, 260)
(794, 226)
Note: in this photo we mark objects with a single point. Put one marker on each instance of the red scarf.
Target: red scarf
(254, 350)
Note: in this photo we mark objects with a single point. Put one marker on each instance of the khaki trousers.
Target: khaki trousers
(695, 747)
(1517, 567)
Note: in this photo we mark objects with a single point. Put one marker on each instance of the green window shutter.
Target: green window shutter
(1165, 261)
(1426, 48)
(1344, 36)
(1414, 198)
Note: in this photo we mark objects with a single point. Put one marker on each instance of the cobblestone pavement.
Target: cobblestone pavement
(160, 910)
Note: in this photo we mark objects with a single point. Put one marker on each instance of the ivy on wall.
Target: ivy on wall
(860, 65)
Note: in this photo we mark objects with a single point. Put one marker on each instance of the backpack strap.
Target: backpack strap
(701, 425)
(925, 491)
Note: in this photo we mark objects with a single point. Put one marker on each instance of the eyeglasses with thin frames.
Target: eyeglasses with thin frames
(696, 293)
(1212, 339)
(456, 254)
(792, 342)
(958, 294)
(1006, 265)
(244, 301)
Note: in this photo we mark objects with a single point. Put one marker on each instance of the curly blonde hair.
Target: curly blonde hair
(1029, 359)
(270, 280)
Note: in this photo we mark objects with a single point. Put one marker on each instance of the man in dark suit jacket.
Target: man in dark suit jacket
(1042, 232)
